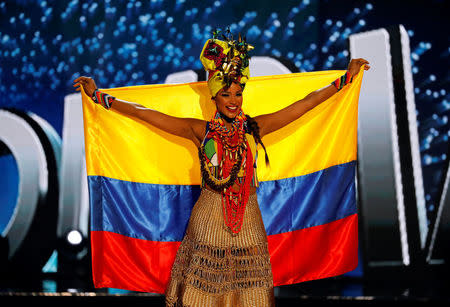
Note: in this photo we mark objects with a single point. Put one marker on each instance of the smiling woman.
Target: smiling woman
(223, 259)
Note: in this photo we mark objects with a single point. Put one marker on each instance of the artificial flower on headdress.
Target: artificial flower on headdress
(226, 61)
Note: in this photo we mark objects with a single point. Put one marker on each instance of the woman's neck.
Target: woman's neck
(227, 120)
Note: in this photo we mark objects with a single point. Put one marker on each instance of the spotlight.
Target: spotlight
(74, 237)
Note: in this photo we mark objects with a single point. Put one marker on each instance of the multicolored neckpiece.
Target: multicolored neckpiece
(234, 155)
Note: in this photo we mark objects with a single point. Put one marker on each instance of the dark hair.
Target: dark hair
(253, 128)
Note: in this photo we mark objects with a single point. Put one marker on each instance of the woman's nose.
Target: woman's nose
(234, 100)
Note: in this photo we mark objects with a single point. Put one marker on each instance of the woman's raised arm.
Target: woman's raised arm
(271, 122)
(190, 128)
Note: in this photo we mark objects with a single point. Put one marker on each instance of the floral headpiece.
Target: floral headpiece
(226, 60)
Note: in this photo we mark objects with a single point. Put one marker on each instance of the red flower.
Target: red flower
(215, 53)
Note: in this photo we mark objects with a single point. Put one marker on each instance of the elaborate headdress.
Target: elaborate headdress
(226, 61)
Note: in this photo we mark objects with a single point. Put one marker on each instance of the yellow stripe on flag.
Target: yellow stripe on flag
(128, 149)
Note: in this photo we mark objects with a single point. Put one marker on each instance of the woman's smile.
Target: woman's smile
(232, 109)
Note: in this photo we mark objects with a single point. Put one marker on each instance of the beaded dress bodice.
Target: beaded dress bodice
(213, 159)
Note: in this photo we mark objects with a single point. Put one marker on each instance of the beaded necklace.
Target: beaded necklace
(234, 154)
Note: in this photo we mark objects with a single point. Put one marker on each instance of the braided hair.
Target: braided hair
(253, 128)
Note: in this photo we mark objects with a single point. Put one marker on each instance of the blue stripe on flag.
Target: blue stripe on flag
(309, 200)
(146, 211)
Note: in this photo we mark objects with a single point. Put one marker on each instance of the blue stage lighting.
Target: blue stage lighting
(327, 23)
(276, 53)
(342, 55)
(294, 11)
(206, 13)
(249, 16)
(337, 25)
(427, 159)
(267, 35)
(346, 33)
(361, 23)
(309, 21)
(311, 50)
(110, 12)
(92, 8)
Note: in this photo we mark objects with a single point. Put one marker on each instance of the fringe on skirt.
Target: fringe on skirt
(216, 268)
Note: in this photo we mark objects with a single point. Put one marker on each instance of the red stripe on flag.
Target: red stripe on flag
(312, 253)
(316, 252)
(131, 264)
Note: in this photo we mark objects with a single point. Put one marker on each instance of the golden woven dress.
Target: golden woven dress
(215, 268)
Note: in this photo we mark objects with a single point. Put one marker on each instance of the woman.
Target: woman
(223, 259)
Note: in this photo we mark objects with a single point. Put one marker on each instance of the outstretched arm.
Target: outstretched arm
(190, 128)
(273, 121)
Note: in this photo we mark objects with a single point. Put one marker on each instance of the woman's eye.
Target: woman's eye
(239, 94)
(225, 95)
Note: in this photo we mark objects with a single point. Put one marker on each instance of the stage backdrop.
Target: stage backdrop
(143, 182)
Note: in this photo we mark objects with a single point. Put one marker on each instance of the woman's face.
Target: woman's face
(229, 100)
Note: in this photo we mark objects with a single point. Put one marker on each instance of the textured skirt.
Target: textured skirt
(215, 268)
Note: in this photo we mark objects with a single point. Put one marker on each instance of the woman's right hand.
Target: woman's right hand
(88, 84)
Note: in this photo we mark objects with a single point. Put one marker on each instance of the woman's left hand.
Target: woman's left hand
(355, 65)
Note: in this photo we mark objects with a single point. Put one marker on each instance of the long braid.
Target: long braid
(253, 128)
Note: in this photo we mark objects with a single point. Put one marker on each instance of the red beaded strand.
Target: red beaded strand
(229, 146)
(234, 210)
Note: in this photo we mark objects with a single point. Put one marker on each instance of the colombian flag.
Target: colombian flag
(143, 182)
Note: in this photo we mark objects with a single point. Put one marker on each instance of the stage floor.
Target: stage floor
(336, 291)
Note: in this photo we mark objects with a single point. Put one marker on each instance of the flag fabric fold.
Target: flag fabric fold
(143, 182)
